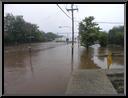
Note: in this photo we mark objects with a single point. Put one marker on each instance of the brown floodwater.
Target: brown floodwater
(46, 70)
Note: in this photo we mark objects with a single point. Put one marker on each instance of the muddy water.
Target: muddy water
(45, 73)
(96, 57)
(46, 70)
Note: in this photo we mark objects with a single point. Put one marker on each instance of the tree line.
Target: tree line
(17, 30)
(90, 33)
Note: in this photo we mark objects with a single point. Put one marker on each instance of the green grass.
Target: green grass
(118, 82)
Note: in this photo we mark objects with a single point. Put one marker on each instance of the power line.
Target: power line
(96, 22)
(67, 32)
(110, 22)
(106, 22)
(64, 12)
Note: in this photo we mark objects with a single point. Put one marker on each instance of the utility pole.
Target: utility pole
(72, 10)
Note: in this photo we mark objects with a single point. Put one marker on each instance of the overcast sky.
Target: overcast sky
(49, 17)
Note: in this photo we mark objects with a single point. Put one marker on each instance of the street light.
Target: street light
(64, 27)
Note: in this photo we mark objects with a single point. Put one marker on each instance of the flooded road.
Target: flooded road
(47, 69)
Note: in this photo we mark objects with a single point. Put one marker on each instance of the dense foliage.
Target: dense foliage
(103, 38)
(90, 33)
(17, 30)
(116, 35)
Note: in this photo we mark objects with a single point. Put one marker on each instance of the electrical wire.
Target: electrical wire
(64, 12)
(79, 21)
(105, 22)
(111, 22)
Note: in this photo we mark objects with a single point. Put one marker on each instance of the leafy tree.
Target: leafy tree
(50, 36)
(88, 31)
(8, 28)
(103, 38)
(38, 36)
(17, 30)
(116, 35)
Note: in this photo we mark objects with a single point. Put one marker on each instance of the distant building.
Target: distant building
(61, 39)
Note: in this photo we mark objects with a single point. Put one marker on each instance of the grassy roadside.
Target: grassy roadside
(117, 80)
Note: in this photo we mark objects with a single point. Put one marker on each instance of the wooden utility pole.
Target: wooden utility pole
(72, 10)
